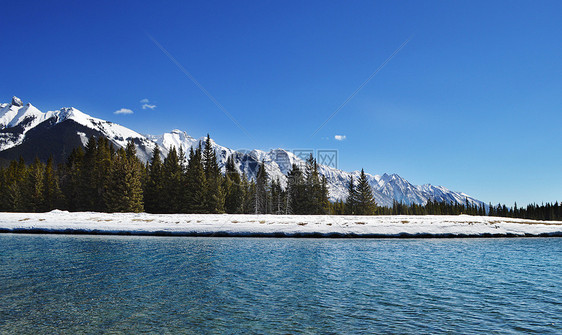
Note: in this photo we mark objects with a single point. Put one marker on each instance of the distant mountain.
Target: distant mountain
(26, 131)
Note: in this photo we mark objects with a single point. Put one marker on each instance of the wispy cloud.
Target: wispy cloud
(123, 111)
(339, 137)
(146, 105)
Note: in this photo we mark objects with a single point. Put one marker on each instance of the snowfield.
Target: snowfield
(62, 222)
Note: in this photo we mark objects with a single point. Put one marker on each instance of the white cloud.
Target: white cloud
(339, 137)
(144, 101)
(123, 111)
(147, 106)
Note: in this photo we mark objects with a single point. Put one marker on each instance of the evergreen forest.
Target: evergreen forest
(101, 178)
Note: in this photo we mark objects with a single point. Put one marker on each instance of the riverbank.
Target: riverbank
(62, 222)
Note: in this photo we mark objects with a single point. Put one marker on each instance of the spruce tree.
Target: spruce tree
(234, 193)
(277, 197)
(250, 206)
(171, 183)
(351, 201)
(248, 194)
(3, 190)
(214, 193)
(15, 176)
(153, 196)
(324, 193)
(365, 199)
(195, 183)
(102, 169)
(262, 195)
(71, 180)
(124, 190)
(296, 192)
(312, 187)
(33, 187)
(52, 194)
(87, 193)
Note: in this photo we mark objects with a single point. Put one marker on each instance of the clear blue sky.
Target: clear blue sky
(473, 102)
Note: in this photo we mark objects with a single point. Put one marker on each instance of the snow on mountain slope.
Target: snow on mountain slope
(17, 119)
(176, 138)
(117, 133)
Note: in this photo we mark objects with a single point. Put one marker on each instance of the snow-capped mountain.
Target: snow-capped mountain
(26, 131)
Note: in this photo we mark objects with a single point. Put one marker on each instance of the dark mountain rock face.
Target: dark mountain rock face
(48, 139)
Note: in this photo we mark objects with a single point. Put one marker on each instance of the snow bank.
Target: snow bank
(62, 222)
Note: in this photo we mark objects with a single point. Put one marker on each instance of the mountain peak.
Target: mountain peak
(20, 118)
(72, 113)
(16, 101)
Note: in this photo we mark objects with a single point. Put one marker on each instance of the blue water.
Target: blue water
(101, 284)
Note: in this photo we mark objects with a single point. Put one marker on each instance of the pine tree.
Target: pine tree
(102, 169)
(262, 196)
(15, 176)
(296, 192)
(234, 198)
(214, 193)
(88, 195)
(248, 192)
(33, 187)
(277, 198)
(3, 190)
(195, 183)
(153, 196)
(313, 190)
(365, 199)
(52, 194)
(351, 201)
(250, 203)
(71, 180)
(324, 196)
(124, 190)
(171, 183)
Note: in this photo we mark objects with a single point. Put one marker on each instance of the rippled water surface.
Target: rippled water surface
(89, 284)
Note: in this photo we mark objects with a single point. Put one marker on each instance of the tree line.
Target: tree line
(101, 178)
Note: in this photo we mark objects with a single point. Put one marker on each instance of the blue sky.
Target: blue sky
(473, 102)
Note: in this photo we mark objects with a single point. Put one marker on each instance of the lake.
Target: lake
(120, 284)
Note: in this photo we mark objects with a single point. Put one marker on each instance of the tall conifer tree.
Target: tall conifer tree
(365, 199)
(296, 192)
(234, 199)
(153, 197)
(172, 183)
(195, 183)
(52, 194)
(124, 190)
(262, 195)
(351, 201)
(214, 193)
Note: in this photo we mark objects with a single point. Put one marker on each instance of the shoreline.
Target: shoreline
(34, 231)
(274, 226)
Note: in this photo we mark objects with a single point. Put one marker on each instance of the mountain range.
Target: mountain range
(27, 132)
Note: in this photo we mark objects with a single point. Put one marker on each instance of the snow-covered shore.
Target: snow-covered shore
(61, 222)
